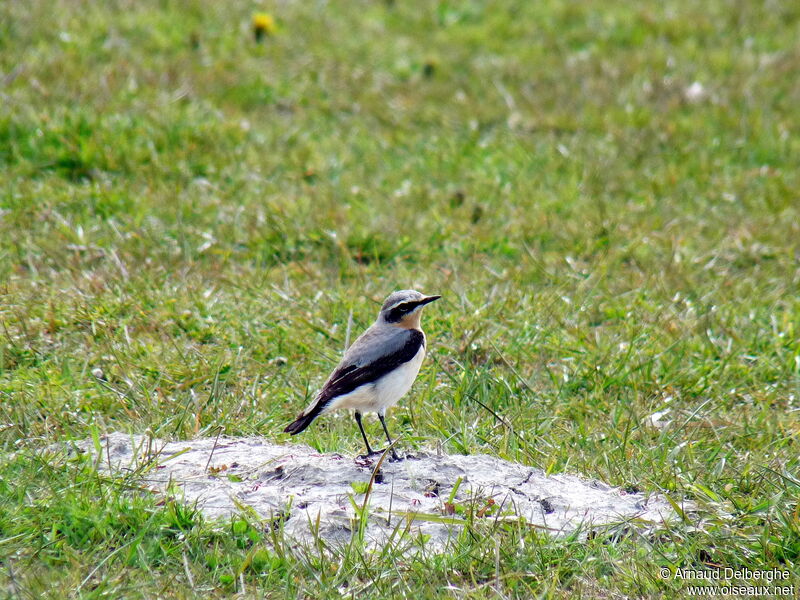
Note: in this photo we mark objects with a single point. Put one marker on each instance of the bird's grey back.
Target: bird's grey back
(376, 342)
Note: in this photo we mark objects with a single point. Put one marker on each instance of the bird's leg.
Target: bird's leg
(388, 437)
(363, 434)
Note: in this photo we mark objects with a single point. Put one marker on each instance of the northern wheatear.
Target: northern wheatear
(378, 369)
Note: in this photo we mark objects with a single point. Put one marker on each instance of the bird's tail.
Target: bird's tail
(304, 420)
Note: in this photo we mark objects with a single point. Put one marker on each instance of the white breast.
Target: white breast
(393, 386)
(383, 393)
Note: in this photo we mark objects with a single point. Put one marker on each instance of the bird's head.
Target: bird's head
(403, 308)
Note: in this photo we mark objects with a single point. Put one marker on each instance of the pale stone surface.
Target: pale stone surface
(300, 487)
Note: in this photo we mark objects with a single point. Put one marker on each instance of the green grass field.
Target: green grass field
(606, 195)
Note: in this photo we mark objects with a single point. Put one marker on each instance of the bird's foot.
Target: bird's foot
(369, 458)
(393, 456)
(366, 460)
(371, 454)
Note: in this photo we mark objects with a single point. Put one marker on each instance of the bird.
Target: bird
(378, 369)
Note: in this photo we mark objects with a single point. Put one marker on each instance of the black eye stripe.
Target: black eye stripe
(397, 312)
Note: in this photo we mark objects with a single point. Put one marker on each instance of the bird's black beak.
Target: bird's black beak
(428, 300)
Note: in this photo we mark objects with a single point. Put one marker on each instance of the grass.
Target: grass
(189, 218)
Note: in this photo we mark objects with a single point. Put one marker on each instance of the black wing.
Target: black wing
(345, 380)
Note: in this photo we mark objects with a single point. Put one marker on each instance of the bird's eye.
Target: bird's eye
(399, 311)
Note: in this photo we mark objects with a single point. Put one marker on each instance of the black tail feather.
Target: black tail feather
(303, 421)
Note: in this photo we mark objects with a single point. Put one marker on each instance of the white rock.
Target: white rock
(300, 487)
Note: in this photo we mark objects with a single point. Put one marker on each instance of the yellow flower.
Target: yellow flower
(263, 24)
